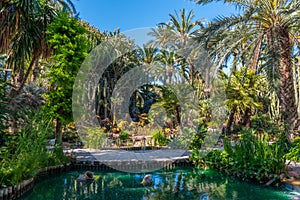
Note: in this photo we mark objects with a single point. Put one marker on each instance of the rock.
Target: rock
(147, 180)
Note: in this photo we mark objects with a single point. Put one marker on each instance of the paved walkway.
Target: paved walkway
(132, 161)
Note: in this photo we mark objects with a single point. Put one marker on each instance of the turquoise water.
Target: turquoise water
(176, 184)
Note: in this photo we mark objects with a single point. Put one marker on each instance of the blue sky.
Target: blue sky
(108, 15)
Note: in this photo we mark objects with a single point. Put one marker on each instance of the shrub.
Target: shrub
(198, 138)
(159, 138)
(95, 138)
(294, 152)
(251, 158)
(124, 135)
(26, 152)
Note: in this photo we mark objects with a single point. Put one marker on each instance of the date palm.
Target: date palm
(176, 34)
(265, 25)
(170, 62)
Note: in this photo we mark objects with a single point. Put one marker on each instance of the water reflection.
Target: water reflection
(178, 184)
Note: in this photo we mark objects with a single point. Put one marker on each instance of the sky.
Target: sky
(109, 15)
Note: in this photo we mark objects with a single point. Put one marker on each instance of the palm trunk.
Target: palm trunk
(298, 102)
(20, 75)
(32, 62)
(286, 91)
(257, 51)
(230, 120)
(246, 117)
(177, 115)
(191, 73)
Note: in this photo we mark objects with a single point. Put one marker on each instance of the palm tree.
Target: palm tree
(269, 26)
(23, 33)
(169, 60)
(176, 34)
(242, 87)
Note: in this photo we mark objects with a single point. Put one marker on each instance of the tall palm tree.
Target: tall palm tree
(269, 26)
(176, 34)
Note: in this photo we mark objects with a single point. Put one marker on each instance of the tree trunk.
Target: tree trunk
(230, 120)
(35, 71)
(286, 91)
(58, 135)
(191, 73)
(22, 84)
(20, 76)
(257, 50)
(246, 117)
(177, 115)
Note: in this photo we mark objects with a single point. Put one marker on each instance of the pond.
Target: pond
(180, 183)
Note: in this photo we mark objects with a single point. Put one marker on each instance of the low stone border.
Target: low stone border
(14, 192)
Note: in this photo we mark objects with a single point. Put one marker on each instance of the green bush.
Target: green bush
(4, 111)
(124, 135)
(159, 138)
(26, 152)
(294, 152)
(198, 138)
(251, 158)
(262, 123)
(95, 138)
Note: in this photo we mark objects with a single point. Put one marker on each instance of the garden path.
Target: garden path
(135, 161)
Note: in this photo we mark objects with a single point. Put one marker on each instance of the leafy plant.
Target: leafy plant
(159, 138)
(263, 124)
(4, 111)
(294, 152)
(67, 38)
(26, 151)
(124, 135)
(251, 158)
(95, 138)
(198, 138)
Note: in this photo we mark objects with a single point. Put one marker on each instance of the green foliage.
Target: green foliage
(252, 158)
(124, 135)
(95, 138)
(67, 38)
(198, 138)
(170, 104)
(26, 152)
(4, 111)
(263, 123)
(242, 88)
(294, 152)
(159, 138)
(188, 139)
(216, 159)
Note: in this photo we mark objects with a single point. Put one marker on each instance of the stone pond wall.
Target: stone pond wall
(14, 192)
